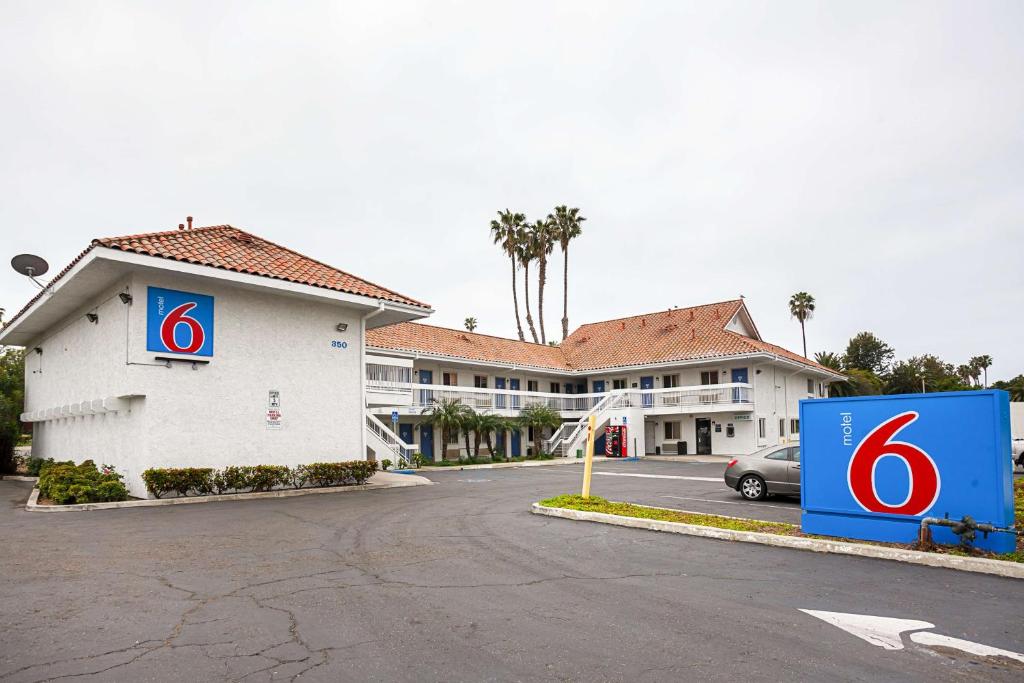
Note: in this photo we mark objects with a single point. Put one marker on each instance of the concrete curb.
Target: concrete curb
(400, 481)
(18, 477)
(1012, 570)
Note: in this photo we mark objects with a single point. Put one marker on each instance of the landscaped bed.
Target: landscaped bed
(484, 460)
(600, 505)
(65, 483)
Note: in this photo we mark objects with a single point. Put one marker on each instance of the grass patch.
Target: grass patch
(598, 504)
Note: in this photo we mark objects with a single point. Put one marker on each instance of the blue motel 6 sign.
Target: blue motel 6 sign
(179, 322)
(874, 466)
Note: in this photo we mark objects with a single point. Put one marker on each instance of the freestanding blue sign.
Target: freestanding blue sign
(179, 322)
(874, 466)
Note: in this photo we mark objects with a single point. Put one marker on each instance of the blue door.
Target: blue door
(499, 399)
(427, 441)
(599, 444)
(426, 397)
(513, 385)
(739, 376)
(646, 384)
(598, 389)
(517, 443)
(405, 433)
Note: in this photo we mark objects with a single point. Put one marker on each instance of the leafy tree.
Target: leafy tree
(829, 360)
(865, 351)
(801, 307)
(923, 373)
(539, 417)
(1015, 387)
(983, 363)
(12, 401)
(567, 227)
(448, 414)
(507, 233)
(470, 323)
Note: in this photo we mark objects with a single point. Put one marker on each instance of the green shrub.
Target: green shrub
(266, 477)
(341, 473)
(33, 465)
(64, 483)
(181, 480)
(298, 476)
(385, 464)
(236, 478)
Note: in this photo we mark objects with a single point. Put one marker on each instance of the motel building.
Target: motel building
(214, 347)
(695, 381)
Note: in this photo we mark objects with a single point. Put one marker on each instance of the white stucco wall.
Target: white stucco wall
(213, 415)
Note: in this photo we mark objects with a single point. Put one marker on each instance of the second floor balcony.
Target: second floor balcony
(703, 398)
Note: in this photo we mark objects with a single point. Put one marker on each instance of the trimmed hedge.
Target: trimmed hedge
(65, 483)
(201, 481)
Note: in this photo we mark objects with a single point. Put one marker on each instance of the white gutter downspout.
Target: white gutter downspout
(362, 375)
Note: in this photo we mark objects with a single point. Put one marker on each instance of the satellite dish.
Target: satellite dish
(30, 265)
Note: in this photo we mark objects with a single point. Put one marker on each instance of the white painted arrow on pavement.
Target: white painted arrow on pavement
(881, 631)
(885, 632)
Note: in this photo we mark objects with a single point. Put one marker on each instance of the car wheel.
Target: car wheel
(753, 487)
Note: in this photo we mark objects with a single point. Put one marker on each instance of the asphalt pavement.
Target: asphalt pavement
(459, 582)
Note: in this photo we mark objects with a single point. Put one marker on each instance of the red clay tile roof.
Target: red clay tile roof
(226, 247)
(682, 334)
(442, 341)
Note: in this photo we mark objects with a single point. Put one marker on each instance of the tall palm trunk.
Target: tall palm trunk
(490, 444)
(541, 281)
(565, 294)
(526, 288)
(804, 335)
(469, 451)
(515, 301)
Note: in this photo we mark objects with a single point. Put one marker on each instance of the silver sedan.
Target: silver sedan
(775, 469)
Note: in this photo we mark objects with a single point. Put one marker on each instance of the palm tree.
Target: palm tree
(801, 307)
(448, 414)
(983, 362)
(469, 426)
(526, 254)
(567, 227)
(539, 417)
(543, 238)
(507, 232)
(488, 424)
(470, 323)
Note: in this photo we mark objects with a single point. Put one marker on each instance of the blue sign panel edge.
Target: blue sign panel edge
(826, 521)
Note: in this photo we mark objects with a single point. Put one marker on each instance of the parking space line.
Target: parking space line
(659, 476)
(737, 502)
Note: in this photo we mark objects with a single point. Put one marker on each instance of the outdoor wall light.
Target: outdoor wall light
(125, 297)
(38, 350)
(92, 317)
(341, 327)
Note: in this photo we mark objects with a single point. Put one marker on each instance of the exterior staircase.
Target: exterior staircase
(386, 444)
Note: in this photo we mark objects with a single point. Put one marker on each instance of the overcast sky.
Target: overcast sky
(870, 153)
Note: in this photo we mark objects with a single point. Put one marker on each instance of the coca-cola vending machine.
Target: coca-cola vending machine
(615, 443)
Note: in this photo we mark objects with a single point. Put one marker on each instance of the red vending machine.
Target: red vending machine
(615, 443)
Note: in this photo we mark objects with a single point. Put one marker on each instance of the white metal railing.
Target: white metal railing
(702, 396)
(401, 450)
(562, 444)
(424, 395)
(388, 378)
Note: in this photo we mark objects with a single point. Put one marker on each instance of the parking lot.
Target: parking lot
(458, 581)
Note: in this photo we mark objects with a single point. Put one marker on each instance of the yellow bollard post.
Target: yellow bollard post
(588, 464)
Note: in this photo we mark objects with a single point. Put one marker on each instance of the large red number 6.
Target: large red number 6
(178, 316)
(924, 475)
